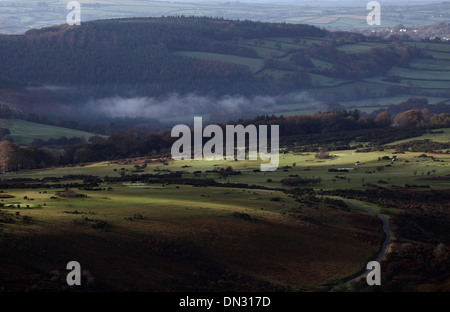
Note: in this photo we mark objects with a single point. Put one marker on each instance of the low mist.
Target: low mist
(176, 107)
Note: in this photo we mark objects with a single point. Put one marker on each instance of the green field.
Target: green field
(306, 165)
(430, 64)
(24, 132)
(421, 74)
(355, 48)
(440, 56)
(157, 232)
(255, 65)
(436, 136)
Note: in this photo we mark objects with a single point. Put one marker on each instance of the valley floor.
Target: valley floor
(143, 231)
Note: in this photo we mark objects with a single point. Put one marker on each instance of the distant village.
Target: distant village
(436, 33)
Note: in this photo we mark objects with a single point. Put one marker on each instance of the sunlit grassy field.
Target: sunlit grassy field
(143, 252)
(134, 235)
(396, 173)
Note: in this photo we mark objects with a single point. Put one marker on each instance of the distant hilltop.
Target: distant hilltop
(19, 16)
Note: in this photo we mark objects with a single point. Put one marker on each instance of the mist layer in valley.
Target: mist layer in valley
(175, 107)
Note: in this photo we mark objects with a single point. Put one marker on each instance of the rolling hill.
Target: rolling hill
(24, 132)
(298, 66)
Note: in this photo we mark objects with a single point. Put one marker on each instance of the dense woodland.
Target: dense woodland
(134, 55)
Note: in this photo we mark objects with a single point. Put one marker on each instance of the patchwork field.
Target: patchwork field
(427, 76)
(255, 65)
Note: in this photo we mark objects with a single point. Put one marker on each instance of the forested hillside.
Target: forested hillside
(138, 55)
(171, 68)
(137, 52)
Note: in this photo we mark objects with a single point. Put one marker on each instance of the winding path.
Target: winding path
(384, 247)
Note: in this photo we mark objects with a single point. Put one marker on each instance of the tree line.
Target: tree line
(320, 128)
